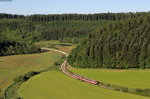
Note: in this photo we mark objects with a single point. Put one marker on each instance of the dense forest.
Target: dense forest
(70, 17)
(86, 17)
(122, 45)
(18, 32)
(8, 47)
(36, 31)
(10, 16)
(12, 42)
(18, 35)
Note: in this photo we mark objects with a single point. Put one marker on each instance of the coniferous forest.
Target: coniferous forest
(119, 45)
(109, 40)
(18, 35)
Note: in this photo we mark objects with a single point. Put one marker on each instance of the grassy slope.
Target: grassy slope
(14, 66)
(130, 78)
(55, 85)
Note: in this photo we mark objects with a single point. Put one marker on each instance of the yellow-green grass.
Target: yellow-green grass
(57, 45)
(126, 78)
(55, 85)
(47, 43)
(66, 49)
(16, 65)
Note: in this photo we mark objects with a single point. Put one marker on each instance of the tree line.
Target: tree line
(120, 45)
(85, 17)
(10, 16)
(69, 17)
(8, 47)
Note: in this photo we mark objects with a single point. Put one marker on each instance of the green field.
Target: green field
(55, 85)
(126, 78)
(16, 65)
(56, 44)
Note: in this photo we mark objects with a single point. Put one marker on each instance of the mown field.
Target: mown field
(16, 65)
(125, 78)
(55, 85)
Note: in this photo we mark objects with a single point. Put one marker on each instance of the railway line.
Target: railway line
(73, 75)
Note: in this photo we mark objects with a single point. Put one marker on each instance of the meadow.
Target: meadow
(16, 65)
(66, 47)
(126, 78)
(55, 85)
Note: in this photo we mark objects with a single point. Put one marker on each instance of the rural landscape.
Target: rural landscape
(74, 55)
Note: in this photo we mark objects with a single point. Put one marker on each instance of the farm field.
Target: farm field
(16, 65)
(126, 78)
(55, 85)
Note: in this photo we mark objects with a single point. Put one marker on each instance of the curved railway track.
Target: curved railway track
(67, 72)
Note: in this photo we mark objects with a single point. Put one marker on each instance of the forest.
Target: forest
(10, 16)
(86, 17)
(120, 45)
(18, 34)
(69, 17)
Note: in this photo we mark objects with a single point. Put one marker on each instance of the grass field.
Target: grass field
(126, 78)
(56, 44)
(55, 85)
(16, 65)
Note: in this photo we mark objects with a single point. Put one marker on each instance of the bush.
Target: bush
(30, 74)
(19, 98)
(124, 89)
(56, 63)
(25, 77)
(18, 79)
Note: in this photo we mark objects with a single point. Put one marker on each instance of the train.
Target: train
(87, 80)
(76, 76)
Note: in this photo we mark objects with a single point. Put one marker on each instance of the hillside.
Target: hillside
(122, 45)
(18, 32)
(17, 35)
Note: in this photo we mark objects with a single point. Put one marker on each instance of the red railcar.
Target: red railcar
(85, 79)
(77, 76)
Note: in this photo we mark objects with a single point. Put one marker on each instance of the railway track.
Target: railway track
(67, 72)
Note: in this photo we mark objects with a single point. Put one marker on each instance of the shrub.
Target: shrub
(25, 77)
(56, 63)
